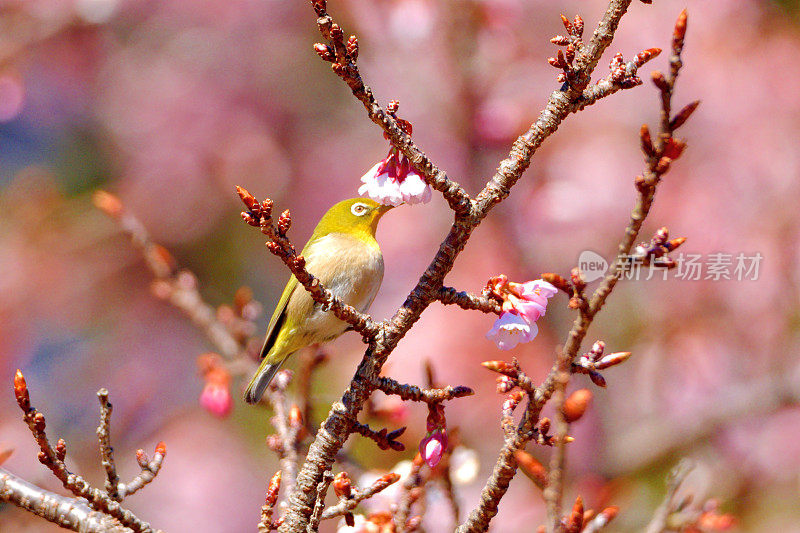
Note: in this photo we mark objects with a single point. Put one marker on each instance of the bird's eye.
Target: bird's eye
(359, 209)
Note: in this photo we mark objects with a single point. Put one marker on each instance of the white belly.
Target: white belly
(351, 270)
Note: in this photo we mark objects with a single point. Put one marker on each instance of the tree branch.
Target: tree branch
(178, 287)
(342, 416)
(415, 394)
(558, 377)
(347, 505)
(469, 301)
(53, 458)
(69, 513)
(383, 438)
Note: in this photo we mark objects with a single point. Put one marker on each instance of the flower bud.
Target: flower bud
(683, 115)
(612, 359)
(673, 148)
(61, 450)
(5, 453)
(161, 448)
(342, 485)
(575, 519)
(531, 468)
(597, 379)
(272, 489)
(21, 390)
(498, 366)
(544, 425)
(645, 56)
(433, 446)
(679, 33)
(576, 404)
(216, 396)
(647, 141)
(505, 384)
(107, 203)
(141, 458)
(659, 80)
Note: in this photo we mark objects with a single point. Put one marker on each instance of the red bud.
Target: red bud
(531, 468)
(683, 115)
(342, 485)
(107, 203)
(575, 406)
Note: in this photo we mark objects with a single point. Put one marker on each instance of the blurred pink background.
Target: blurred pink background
(171, 104)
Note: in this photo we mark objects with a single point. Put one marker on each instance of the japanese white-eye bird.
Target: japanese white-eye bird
(343, 253)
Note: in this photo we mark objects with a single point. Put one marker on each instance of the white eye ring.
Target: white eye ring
(359, 209)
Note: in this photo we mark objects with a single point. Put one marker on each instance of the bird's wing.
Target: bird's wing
(278, 317)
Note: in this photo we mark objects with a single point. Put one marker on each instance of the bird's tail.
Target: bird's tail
(266, 371)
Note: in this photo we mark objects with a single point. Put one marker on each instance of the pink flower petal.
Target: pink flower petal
(511, 329)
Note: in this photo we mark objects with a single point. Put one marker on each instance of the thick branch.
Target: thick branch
(69, 513)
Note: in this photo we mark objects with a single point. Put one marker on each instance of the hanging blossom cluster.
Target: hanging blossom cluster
(393, 181)
(523, 305)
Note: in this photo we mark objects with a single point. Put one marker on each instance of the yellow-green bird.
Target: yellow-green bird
(343, 253)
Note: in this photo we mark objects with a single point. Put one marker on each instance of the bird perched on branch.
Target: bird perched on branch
(343, 253)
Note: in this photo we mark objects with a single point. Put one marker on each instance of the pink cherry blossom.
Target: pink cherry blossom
(530, 298)
(511, 329)
(392, 181)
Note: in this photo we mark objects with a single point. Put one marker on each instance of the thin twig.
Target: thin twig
(413, 490)
(347, 505)
(106, 451)
(416, 394)
(178, 287)
(658, 158)
(53, 458)
(319, 506)
(288, 434)
(466, 300)
(383, 438)
(558, 377)
(674, 481)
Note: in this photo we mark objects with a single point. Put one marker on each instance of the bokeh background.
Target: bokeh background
(169, 104)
